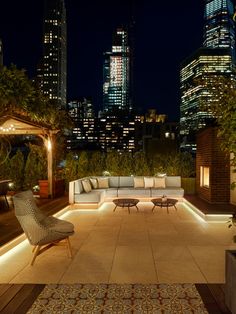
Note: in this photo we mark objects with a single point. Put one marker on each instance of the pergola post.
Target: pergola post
(50, 146)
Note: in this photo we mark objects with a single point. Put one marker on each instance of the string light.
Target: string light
(8, 129)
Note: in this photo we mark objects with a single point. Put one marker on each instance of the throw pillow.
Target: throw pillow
(103, 183)
(86, 186)
(138, 182)
(160, 182)
(94, 183)
(148, 182)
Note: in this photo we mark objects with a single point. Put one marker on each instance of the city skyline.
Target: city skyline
(165, 34)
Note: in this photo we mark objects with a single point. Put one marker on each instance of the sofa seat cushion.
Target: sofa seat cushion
(122, 192)
(95, 196)
(111, 192)
(169, 191)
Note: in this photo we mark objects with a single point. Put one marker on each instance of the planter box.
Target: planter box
(230, 280)
(58, 188)
(189, 185)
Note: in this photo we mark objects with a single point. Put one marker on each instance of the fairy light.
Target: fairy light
(7, 129)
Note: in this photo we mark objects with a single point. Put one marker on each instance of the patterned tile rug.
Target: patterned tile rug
(118, 298)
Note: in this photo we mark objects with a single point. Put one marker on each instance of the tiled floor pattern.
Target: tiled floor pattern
(118, 298)
(117, 247)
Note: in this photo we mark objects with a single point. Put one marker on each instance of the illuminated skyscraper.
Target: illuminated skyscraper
(219, 29)
(84, 133)
(1, 53)
(116, 74)
(216, 58)
(54, 45)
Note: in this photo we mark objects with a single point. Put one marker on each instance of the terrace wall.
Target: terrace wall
(210, 155)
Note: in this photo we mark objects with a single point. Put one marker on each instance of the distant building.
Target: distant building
(116, 74)
(204, 65)
(84, 134)
(54, 52)
(155, 135)
(216, 58)
(1, 53)
(117, 133)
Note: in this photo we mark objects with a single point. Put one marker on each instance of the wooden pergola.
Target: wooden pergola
(14, 124)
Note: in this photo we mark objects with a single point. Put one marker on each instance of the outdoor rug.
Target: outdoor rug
(118, 298)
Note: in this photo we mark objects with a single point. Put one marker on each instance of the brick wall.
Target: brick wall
(210, 155)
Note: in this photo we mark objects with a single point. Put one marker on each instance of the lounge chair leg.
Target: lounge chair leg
(36, 249)
(69, 247)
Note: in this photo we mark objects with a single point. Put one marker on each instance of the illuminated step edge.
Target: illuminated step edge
(208, 217)
(13, 243)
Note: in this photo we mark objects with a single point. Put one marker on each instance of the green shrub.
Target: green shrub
(17, 165)
(36, 166)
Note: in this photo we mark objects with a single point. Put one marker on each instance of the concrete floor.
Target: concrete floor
(117, 247)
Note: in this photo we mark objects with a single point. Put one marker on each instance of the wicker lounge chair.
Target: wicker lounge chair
(42, 231)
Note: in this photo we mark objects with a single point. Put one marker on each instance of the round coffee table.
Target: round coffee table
(166, 202)
(125, 202)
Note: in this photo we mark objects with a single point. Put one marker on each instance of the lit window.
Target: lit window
(205, 176)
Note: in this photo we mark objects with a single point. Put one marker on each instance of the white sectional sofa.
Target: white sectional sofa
(121, 187)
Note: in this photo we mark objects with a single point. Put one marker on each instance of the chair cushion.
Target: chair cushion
(59, 225)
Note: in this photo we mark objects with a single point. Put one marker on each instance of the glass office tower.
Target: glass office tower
(54, 49)
(116, 74)
(206, 65)
(219, 29)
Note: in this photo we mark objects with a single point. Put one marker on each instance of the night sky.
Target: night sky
(166, 32)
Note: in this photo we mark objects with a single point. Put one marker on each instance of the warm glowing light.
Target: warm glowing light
(49, 145)
(7, 129)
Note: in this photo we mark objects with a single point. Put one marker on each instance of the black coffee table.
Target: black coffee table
(125, 202)
(167, 202)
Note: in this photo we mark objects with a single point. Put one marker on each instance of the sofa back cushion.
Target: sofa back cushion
(78, 186)
(94, 183)
(113, 182)
(126, 182)
(138, 182)
(173, 181)
(148, 182)
(159, 182)
(103, 183)
(86, 185)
